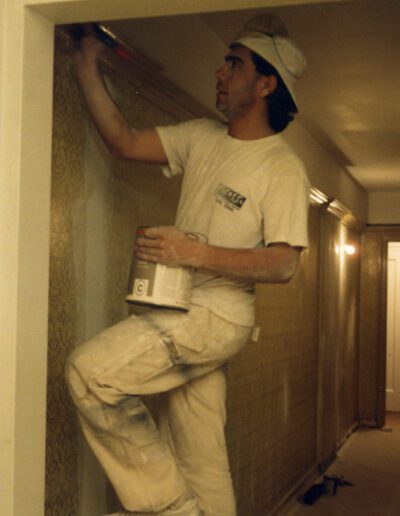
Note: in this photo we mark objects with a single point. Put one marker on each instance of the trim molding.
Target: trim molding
(336, 208)
(384, 228)
(310, 477)
(290, 498)
(385, 235)
(318, 198)
(146, 75)
(339, 210)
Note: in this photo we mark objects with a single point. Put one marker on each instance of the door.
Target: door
(393, 328)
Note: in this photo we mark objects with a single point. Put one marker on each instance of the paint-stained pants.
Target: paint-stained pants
(182, 355)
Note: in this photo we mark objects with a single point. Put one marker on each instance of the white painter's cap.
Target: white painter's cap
(267, 36)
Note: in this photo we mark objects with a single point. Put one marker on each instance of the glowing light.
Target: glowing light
(349, 249)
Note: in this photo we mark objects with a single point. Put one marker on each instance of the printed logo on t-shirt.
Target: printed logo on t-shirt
(229, 198)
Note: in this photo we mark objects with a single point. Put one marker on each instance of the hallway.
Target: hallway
(370, 460)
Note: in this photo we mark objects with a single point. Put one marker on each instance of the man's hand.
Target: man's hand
(169, 246)
(88, 52)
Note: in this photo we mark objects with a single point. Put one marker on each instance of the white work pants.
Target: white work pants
(182, 355)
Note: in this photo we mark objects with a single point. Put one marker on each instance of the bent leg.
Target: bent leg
(116, 423)
(143, 355)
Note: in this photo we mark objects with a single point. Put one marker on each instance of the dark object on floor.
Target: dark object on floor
(312, 495)
(327, 487)
(332, 483)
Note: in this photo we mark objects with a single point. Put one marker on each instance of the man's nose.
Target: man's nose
(220, 73)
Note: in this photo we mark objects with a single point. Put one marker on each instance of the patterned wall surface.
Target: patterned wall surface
(66, 285)
(135, 195)
(141, 195)
(272, 397)
(339, 316)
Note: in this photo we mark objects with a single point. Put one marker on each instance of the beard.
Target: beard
(221, 106)
(239, 105)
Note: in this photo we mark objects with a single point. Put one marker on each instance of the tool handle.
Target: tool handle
(108, 40)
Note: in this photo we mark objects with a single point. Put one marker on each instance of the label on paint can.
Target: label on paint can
(159, 285)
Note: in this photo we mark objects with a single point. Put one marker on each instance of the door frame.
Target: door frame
(389, 234)
(386, 265)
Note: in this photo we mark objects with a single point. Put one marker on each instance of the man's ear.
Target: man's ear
(268, 85)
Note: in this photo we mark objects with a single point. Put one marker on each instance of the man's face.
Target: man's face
(237, 81)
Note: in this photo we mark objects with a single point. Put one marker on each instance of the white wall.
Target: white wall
(25, 142)
(384, 208)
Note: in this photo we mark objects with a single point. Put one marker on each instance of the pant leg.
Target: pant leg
(103, 376)
(195, 417)
(143, 355)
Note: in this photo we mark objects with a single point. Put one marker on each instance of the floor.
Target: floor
(370, 460)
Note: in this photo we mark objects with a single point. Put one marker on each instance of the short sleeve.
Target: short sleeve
(286, 204)
(177, 142)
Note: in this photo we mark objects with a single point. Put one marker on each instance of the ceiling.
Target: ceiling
(349, 96)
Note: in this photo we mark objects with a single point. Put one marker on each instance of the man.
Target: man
(246, 192)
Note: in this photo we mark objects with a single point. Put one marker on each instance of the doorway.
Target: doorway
(393, 335)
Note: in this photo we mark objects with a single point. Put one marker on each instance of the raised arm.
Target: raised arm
(122, 140)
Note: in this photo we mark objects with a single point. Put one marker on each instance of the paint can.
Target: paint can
(154, 284)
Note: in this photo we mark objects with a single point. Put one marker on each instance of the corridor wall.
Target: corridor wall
(96, 205)
(273, 388)
(338, 333)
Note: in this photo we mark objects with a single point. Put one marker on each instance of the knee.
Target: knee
(69, 368)
(75, 376)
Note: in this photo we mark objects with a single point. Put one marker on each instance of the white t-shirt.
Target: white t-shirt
(238, 194)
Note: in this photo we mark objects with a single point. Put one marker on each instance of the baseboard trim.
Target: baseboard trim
(369, 423)
(311, 476)
(290, 498)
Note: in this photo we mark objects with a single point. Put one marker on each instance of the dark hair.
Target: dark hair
(281, 107)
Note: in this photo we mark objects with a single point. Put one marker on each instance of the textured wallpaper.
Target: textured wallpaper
(66, 283)
(134, 195)
(272, 395)
(141, 195)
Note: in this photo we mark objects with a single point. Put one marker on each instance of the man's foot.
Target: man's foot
(130, 513)
(184, 506)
